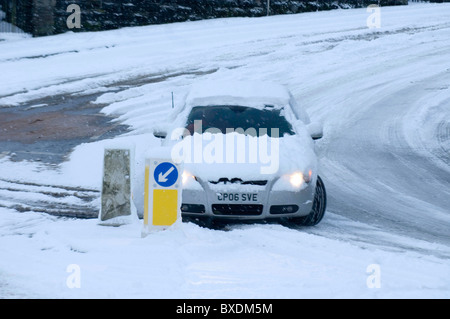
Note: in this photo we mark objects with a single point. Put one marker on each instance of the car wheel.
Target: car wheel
(318, 208)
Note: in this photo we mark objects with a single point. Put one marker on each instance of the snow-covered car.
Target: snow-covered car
(248, 154)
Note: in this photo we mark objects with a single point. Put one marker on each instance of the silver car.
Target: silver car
(225, 132)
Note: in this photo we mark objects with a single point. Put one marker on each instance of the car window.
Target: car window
(241, 119)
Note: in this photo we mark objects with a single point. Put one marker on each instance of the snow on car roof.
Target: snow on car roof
(253, 94)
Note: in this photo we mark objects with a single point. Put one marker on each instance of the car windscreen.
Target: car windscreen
(241, 119)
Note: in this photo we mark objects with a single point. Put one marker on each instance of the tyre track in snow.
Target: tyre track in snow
(55, 200)
(376, 176)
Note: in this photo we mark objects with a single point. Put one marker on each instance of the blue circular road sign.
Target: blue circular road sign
(166, 174)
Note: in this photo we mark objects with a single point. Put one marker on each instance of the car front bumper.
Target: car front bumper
(245, 201)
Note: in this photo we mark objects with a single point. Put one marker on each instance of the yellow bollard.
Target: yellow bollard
(162, 191)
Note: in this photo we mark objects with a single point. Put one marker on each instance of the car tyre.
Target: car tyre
(318, 208)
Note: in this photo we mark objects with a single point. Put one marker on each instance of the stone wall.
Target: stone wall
(44, 17)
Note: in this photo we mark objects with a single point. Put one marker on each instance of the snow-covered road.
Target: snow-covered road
(382, 94)
(396, 153)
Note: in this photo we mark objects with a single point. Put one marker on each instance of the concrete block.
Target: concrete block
(117, 207)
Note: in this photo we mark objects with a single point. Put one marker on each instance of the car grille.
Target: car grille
(225, 180)
(237, 209)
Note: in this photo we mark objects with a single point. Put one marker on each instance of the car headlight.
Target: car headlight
(189, 181)
(293, 182)
(186, 177)
(298, 178)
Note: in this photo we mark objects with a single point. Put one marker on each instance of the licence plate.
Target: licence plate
(237, 197)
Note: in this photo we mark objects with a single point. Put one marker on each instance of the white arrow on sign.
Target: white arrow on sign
(163, 177)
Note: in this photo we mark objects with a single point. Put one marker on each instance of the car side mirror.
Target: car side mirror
(160, 134)
(315, 130)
